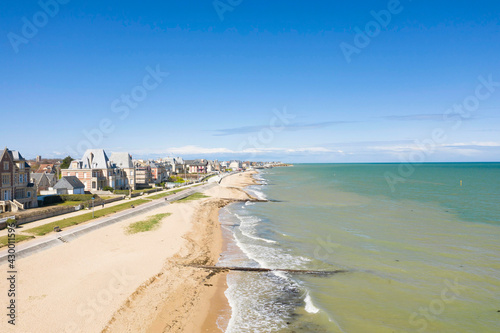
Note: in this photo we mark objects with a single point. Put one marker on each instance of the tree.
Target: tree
(65, 163)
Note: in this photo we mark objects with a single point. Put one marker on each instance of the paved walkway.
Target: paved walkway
(53, 239)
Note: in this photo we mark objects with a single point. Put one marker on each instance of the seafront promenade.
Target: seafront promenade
(53, 239)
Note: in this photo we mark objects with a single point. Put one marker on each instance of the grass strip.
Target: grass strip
(194, 196)
(151, 223)
(162, 195)
(49, 227)
(4, 240)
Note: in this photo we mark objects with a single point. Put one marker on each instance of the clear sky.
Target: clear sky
(297, 81)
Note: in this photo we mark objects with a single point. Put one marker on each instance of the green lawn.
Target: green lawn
(151, 223)
(162, 195)
(19, 238)
(49, 227)
(142, 190)
(194, 196)
(69, 203)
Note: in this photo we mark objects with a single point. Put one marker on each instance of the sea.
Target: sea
(418, 247)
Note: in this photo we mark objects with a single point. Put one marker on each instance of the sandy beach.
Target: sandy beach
(112, 281)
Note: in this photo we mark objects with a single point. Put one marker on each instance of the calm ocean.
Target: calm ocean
(423, 256)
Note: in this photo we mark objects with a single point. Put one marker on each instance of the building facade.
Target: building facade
(143, 175)
(124, 162)
(16, 190)
(96, 171)
(158, 172)
(43, 180)
(197, 166)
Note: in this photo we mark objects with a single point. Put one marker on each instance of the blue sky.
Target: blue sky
(271, 80)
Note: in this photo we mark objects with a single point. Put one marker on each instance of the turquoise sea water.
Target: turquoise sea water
(422, 255)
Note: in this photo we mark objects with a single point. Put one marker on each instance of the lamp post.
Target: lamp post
(93, 206)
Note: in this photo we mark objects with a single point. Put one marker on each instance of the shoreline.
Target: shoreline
(197, 301)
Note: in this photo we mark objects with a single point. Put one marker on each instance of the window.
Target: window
(6, 179)
(68, 174)
(29, 194)
(21, 177)
(6, 165)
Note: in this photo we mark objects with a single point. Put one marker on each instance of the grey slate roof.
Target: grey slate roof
(16, 156)
(121, 160)
(196, 162)
(36, 177)
(69, 182)
(94, 159)
(51, 176)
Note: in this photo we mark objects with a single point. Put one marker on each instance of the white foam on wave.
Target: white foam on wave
(259, 238)
(259, 194)
(310, 305)
(247, 228)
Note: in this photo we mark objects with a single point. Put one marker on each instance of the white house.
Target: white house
(235, 165)
(69, 185)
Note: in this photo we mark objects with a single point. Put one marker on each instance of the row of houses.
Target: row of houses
(95, 171)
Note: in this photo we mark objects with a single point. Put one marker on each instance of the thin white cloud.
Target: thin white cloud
(197, 150)
(478, 144)
(459, 148)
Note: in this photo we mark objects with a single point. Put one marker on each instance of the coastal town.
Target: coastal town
(115, 225)
(30, 184)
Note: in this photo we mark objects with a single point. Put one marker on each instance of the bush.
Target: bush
(52, 199)
(78, 197)
(107, 188)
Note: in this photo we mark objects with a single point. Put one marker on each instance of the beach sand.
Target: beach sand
(110, 281)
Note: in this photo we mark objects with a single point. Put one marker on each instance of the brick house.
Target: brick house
(197, 166)
(158, 172)
(16, 190)
(96, 171)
